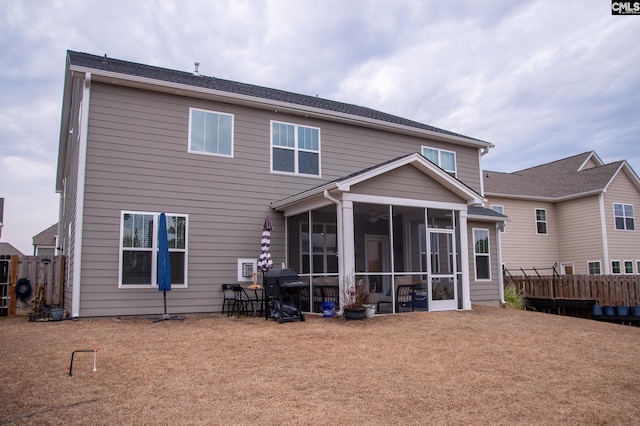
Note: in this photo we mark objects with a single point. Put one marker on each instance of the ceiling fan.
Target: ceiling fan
(375, 215)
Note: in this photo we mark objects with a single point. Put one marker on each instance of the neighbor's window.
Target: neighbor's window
(541, 221)
(445, 159)
(628, 267)
(295, 149)
(615, 267)
(210, 132)
(623, 216)
(594, 268)
(500, 209)
(481, 254)
(139, 245)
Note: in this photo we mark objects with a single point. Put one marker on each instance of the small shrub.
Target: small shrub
(513, 298)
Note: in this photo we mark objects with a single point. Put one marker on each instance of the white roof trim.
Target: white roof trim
(595, 158)
(631, 174)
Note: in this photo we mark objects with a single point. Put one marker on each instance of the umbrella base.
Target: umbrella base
(167, 317)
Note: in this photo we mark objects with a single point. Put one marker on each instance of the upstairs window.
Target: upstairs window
(541, 221)
(295, 149)
(210, 132)
(445, 159)
(623, 216)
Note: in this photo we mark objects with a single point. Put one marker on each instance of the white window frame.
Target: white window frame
(218, 113)
(545, 221)
(626, 263)
(476, 254)
(624, 217)
(296, 149)
(613, 268)
(153, 249)
(453, 172)
(563, 267)
(594, 262)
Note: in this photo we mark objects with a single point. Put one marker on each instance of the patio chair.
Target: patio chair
(405, 294)
(228, 296)
(241, 301)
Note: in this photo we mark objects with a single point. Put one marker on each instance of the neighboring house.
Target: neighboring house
(7, 249)
(351, 192)
(45, 243)
(577, 215)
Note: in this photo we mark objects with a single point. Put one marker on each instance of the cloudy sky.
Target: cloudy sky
(541, 80)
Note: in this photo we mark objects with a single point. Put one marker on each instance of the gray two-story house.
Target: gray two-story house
(353, 193)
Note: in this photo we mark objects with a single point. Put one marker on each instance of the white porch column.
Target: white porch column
(464, 261)
(348, 253)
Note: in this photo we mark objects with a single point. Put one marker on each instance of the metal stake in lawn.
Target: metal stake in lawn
(95, 353)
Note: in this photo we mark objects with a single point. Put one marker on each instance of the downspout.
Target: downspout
(603, 226)
(481, 153)
(80, 188)
(341, 250)
(499, 226)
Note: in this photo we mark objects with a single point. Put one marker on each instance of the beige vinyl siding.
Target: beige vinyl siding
(484, 291)
(406, 182)
(137, 160)
(623, 244)
(589, 164)
(522, 247)
(580, 233)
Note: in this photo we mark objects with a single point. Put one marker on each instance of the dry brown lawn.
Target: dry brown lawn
(486, 366)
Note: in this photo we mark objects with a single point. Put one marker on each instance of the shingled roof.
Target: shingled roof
(559, 179)
(103, 63)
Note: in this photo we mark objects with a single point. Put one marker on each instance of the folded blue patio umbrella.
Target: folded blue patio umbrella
(164, 265)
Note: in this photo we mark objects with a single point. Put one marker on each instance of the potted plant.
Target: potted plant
(356, 297)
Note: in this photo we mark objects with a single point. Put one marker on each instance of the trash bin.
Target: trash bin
(328, 309)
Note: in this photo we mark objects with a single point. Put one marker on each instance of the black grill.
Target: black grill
(282, 293)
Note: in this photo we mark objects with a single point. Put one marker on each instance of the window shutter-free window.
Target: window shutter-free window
(481, 254)
(295, 149)
(541, 221)
(623, 216)
(445, 159)
(210, 132)
(139, 249)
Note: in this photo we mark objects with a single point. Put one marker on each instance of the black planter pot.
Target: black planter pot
(351, 314)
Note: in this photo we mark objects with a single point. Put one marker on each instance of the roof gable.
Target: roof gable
(416, 160)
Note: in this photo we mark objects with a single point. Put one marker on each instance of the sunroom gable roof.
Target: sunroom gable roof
(416, 160)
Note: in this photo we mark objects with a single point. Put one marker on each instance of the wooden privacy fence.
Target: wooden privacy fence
(606, 290)
(46, 275)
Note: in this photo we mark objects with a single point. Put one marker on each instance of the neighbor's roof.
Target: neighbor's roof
(46, 237)
(7, 249)
(570, 177)
(85, 62)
